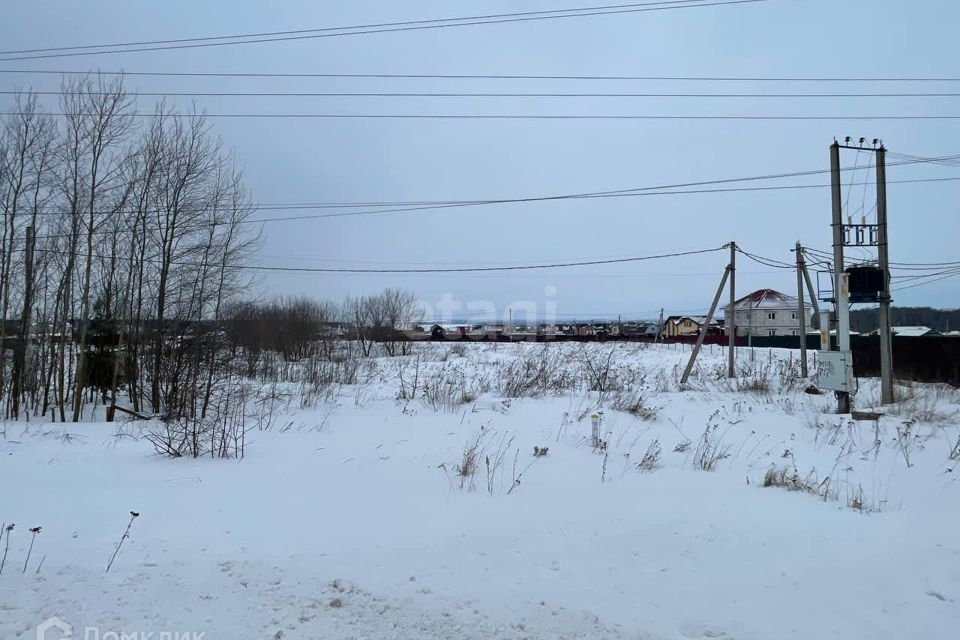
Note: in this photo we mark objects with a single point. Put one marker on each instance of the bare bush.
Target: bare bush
(469, 464)
(906, 441)
(710, 450)
(384, 318)
(635, 403)
(921, 404)
(651, 457)
(788, 478)
(295, 327)
(598, 371)
(446, 390)
(535, 374)
(219, 434)
(489, 452)
(755, 380)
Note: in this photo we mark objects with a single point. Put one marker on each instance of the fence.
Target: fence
(924, 359)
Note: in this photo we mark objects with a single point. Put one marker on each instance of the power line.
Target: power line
(426, 206)
(768, 262)
(476, 116)
(415, 25)
(467, 76)
(555, 265)
(636, 192)
(363, 26)
(948, 275)
(461, 94)
(903, 266)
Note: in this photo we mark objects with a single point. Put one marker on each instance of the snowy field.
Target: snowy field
(410, 504)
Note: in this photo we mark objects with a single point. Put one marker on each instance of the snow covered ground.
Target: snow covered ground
(362, 515)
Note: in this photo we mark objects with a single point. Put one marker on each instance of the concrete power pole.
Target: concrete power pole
(886, 335)
(706, 325)
(732, 331)
(802, 311)
(841, 291)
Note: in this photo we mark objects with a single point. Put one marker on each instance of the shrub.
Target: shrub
(446, 390)
(634, 403)
(651, 457)
(709, 450)
(535, 374)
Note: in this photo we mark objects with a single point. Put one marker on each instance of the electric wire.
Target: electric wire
(466, 76)
(416, 25)
(554, 265)
(323, 29)
(427, 205)
(528, 116)
(463, 94)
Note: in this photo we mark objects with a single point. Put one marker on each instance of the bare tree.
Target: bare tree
(25, 164)
(128, 279)
(401, 311)
(99, 112)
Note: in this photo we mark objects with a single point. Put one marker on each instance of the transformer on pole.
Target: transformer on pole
(865, 283)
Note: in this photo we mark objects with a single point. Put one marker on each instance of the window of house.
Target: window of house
(772, 332)
(772, 315)
(793, 316)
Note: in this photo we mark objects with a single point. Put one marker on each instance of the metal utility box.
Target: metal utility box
(835, 370)
(866, 283)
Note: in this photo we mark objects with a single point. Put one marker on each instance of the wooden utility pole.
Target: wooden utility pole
(801, 309)
(886, 334)
(731, 352)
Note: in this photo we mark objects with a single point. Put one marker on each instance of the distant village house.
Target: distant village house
(767, 312)
(676, 326)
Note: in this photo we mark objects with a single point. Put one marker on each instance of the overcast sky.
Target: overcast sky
(295, 160)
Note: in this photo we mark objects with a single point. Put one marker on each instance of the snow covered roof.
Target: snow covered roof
(833, 332)
(767, 299)
(911, 331)
(697, 319)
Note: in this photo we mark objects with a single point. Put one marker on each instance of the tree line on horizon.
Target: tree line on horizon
(942, 320)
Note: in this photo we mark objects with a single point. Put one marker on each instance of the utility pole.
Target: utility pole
(802, 311)
(706, 324)
(824, 330)
(840, 284)
(731, 351)
(886, 335)
(810, 291)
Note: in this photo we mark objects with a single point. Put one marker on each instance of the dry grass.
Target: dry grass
(635, 403)
(651, 458)
(710, 450)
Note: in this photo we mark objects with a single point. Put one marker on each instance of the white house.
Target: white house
(767, 312)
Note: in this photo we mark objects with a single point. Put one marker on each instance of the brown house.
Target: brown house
(687, 326)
